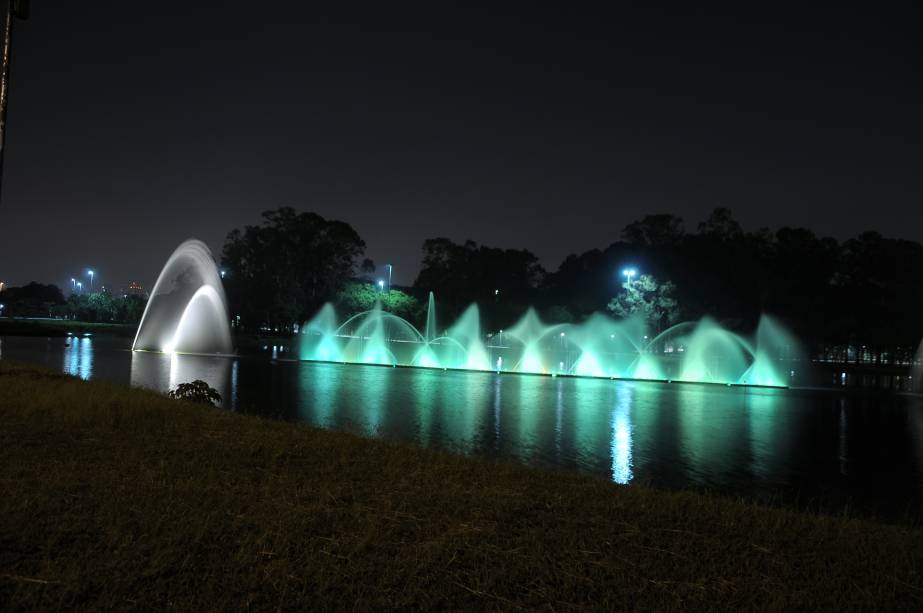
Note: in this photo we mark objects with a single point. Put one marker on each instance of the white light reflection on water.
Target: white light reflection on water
(622, 435)
(78, 357)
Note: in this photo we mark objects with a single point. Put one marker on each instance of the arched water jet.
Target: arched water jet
(607, 348)
(714, 355)
(197, 326)
(776, 355)
(537, 357)
(379, 338)
(318, 339)
(467, 329)
(441, 352)
(187, 309)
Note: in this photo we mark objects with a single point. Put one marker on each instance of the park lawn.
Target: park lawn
(112, 497)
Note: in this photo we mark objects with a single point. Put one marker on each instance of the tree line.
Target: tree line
(40, 300)
(866, 291)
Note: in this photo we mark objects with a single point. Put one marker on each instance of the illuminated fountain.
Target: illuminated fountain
(598, 347)
(187, 310)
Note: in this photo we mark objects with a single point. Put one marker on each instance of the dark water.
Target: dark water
(822, 449)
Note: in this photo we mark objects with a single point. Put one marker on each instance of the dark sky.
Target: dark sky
(135, 125)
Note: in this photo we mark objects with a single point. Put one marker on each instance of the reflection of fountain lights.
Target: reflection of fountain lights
(600, 347)
(621, 436)
(174, 372)
(78, 357)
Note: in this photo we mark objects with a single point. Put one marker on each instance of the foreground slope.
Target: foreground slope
(119, 498)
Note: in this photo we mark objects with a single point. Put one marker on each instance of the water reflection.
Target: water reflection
(78, 357)
(621, 436)
(767, 423)
(817, 446)
(162, 372)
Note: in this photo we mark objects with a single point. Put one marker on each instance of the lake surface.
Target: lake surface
(826, 449)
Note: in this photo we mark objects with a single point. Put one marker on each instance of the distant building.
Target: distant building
(134, 289)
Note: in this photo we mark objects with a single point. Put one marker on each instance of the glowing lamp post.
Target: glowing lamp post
(390, 270)
(91, 273)
(628, 273)
(79, 287)
(381, 285)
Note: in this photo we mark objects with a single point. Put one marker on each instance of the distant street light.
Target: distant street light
(91, 273)
(381, 285)
(79, 287)
(223, 272)
(73, 283)
(390, 270)
(629, 273)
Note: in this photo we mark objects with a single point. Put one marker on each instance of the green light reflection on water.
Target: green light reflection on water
(699, 433)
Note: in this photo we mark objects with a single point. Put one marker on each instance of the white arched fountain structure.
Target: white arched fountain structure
(187, 310)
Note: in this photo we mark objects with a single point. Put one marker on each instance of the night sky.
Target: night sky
(133, 126)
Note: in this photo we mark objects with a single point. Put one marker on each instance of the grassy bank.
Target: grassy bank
(61, 327)
(111, 497)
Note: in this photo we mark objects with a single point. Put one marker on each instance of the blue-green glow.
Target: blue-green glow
(598, 347)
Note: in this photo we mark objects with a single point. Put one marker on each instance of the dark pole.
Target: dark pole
(14, 8)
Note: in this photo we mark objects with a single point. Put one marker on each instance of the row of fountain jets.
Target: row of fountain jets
(187, 313)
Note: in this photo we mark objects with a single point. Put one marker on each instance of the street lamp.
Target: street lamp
(79, 287)
(381, 285)
(628, 274)
(91, 273)
(390, 270)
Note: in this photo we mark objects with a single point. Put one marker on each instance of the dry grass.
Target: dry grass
(118, 498)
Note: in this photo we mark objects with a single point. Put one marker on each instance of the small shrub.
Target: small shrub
(197, 391)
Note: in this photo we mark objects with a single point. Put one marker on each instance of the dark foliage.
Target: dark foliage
(32, 300)
(279, 272)
(502, 281)
(197, 391)
(866, 291)
(102, 307)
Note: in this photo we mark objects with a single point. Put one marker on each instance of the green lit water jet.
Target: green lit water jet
(599, 347)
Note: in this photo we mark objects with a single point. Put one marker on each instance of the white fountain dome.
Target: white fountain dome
(187, 310)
